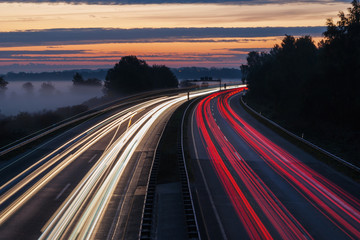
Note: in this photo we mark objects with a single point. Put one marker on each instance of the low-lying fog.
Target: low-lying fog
(37, 96)
(20, 96)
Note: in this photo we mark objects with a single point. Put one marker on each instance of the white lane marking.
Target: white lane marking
(62, 191)
(204, 180)
(112, 139)
(92, 158)
(130, 122)
(237, 155)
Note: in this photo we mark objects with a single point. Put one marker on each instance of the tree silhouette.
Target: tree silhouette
(3, 83)
(280, 77)
(129, 75)
(347, 27)
(47, 88)
(93, 82)
(134, 75)
(28, 86)
(78, 79)
(340, 65)
(163, 77)
(244, 72)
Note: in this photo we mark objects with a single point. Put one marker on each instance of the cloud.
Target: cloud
(35, 67)
(47, 50)
(100, 35)
(5, 54)
(173, 1)
(246, 50)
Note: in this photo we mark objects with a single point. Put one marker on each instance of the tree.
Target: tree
(347, 27)
(244, 72)
(280, 78)
(340, 68)
(47, 88)
(129, 75)
(134, 75)
(28, 86)
(78, 79)
(3, 83)
(163, 77)
(93, 82)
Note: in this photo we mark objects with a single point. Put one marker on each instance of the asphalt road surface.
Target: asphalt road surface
(250, 183)
(88, 182)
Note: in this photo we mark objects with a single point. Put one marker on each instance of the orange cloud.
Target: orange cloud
(25, 16)
(175, 54)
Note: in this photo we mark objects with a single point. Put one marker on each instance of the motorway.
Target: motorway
(250, 183)
(88, 182)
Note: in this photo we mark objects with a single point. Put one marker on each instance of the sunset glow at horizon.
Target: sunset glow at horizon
(172, 49)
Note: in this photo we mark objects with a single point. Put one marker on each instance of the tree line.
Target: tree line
(55, 75)
(180, 73)
(198, 72)
(311, 86)
(78, 80)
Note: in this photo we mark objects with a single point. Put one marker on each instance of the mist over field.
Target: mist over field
(51, 95)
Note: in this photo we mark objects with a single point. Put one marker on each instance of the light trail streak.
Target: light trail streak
(338, 206)
(285, 224)
(84, 231)
(89, 220)
(52, 164)
(82, 210)
(252, 223)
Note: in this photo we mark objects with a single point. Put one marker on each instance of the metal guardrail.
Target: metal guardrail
(54, 127)
(307, 143)
(148, 207)
(87, 114)
(43, 133)
(148, 216)
(190, 214)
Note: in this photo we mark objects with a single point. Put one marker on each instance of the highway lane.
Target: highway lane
(65, 194)
(88, 158)
(22, 161)
(253, 184)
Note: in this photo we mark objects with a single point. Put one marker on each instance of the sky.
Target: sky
(41, 35)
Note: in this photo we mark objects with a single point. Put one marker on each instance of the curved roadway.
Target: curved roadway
(89, 182)
(251, 183)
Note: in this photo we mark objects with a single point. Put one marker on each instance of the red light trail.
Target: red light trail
(240, 180)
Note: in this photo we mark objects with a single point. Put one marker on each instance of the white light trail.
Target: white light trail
(98, 185)
(83, 141)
